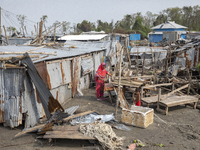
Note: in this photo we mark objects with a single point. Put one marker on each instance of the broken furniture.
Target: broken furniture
(170, 99)
(175, 100)
(138, 116)
(109, 87)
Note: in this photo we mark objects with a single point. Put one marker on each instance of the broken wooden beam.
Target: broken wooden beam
(183, 87)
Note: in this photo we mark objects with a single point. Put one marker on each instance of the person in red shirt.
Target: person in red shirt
(99, 78)
(137, 101)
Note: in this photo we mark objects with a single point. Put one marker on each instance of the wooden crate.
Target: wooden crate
(138, 116)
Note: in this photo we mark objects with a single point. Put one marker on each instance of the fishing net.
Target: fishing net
(104, 134)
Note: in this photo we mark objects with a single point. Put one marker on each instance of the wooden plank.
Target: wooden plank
(145, 52)
(78, 115)
(65, 128)
(179, 102)
(29, 130)
(156, 85)
(67, 135)
(174, 91)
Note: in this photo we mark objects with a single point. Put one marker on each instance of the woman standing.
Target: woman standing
(99, 78)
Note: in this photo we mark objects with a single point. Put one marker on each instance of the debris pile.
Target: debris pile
(104, 134)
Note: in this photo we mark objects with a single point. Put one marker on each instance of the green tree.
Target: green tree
(85, 26)
(174, 14)
(11, 29)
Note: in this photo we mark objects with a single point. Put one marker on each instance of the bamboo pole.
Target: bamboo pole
(36, 31)
(7, 53)
(19, 57)
(119, 82)
(46, 33)
(5, 34)
(26, 30)
(34, 49)
(40, 32)
(54, 39)
(137, 62)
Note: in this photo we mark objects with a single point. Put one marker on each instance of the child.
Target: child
(137, 100)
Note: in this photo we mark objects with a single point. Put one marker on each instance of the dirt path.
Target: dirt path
(174, 137)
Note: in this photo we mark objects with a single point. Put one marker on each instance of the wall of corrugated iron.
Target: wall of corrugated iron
(18, 97)
(97, 61)
(76, 74)
(189, 58)
(84, 82)
(87, 65)
(63, 77)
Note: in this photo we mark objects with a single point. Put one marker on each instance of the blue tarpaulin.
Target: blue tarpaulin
(135, 37)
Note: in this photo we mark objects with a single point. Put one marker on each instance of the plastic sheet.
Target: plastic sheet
(122, 127)
(91, 118)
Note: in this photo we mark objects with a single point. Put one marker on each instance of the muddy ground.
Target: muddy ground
(178, 136)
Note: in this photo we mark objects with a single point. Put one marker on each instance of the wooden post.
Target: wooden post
(36, 31)
(173, 86)
(6, 34)
(141, 92)
(137, 62)
(40, 31)
(166, 65)
(129, 59)
(54, 34)
(143, 66)
(119, 83)
(20, 31)
(26, 30)
(159, 96)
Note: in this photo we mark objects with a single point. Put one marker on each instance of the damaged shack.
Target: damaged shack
(66, 71)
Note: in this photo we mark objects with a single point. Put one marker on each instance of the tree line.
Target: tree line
(132, 23)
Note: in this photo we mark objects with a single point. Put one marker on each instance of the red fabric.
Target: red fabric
(100, 88)
(138, 103)
(101, 73)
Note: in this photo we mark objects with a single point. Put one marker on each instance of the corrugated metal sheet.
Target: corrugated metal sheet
(30, 107)
(54, 74)
(76, 74)
(62, 93)
(13, 96)
(87, 65)
(42, 69)
(49, 104)
(97, 62)
(84, 82)
(66, 71)
(83, 37)
(71, 110)
(65, 52)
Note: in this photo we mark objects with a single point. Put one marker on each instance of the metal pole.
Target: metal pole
(119, 81)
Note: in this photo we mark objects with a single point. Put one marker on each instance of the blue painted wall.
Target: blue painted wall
(166, 30)
(134, 37)
(155, 37)
(117, 38)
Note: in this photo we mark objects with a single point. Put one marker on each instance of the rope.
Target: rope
(104, 134)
